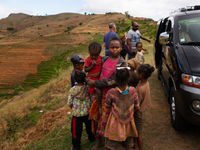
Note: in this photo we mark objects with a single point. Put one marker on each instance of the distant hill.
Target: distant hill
(26, 40)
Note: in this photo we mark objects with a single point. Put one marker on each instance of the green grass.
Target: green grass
(147, 29)
(51, 68)
(16, 124)
(59, 139)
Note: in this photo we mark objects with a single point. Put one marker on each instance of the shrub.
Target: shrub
(10, 28)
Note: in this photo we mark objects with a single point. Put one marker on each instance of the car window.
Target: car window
(189, 30)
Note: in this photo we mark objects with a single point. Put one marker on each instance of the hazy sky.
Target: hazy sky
(155, 9)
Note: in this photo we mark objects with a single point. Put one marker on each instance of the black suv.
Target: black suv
(177, 58)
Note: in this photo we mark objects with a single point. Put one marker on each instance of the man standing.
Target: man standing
(108, 36)
(133, 37)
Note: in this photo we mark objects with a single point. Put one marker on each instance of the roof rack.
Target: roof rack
(190, 8)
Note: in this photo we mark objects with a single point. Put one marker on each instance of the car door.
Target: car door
(169, 57)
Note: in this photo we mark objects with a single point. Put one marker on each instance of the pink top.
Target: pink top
(108, 69)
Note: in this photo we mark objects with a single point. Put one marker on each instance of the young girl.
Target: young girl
(122, 100)
(93, 63)
(144, 71)
(79, 101)
(106, 81)
(140, 53)
(93, 67)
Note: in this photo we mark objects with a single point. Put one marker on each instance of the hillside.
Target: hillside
(37, 38)
(35, 72)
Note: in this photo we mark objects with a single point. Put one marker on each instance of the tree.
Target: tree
(127, 14)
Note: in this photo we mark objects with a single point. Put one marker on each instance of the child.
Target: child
(140, 53)
(125, 48)
(144, 71)
(122, 100)
(78, 63)
(93, 63)
(79, 101)
(93, 67)
(106, 81)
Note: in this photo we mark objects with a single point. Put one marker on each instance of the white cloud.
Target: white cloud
(5, 11)
(155, 9)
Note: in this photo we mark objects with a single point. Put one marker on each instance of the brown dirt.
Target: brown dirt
(158, 132)
(15, 64)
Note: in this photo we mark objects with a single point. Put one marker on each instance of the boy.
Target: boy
(78, 63)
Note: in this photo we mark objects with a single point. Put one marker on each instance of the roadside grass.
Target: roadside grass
(59, 138)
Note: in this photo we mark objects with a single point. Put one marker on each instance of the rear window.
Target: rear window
(189, 29)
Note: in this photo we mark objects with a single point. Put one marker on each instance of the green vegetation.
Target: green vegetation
(147, 27)
(59, 138)
(70, 28)
(10, 28)
(51, 68)
(127, 14)
(16, 123)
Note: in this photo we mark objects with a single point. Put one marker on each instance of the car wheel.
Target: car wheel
(176, 119)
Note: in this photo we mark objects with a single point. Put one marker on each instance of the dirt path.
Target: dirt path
(158, 132)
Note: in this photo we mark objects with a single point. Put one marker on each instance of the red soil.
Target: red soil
(15, 64)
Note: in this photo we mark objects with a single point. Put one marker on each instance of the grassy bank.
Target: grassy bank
(51, 68)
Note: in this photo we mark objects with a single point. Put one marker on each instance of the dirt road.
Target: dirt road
(158, 132)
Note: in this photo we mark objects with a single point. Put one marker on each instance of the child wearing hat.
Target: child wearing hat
(78, 63)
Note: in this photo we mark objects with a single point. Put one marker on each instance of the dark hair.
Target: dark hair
(145, 70)
(133, 80)
(114, 38)
(79, 76)
(122, 76)
(94, 46)
(138, 43)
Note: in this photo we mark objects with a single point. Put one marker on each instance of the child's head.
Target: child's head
(94, 50)
(123, 38)
(139, 46)
(144, 71)
(122, 76)
(80, 77)
(115, 47)
(78, 62)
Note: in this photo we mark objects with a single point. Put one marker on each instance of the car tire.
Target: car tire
(176, 119)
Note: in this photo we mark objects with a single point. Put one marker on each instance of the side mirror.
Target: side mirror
(164, 38)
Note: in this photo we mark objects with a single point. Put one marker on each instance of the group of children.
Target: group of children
(110, 99)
